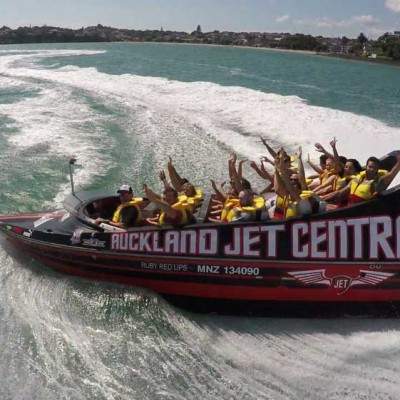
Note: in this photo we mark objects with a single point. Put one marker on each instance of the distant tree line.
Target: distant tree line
(388, 45)
(302, 42)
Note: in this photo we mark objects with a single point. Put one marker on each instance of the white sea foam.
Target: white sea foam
(58, 119)
(229, 117)
(217, 358)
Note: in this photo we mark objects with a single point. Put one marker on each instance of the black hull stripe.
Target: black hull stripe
(131, 272)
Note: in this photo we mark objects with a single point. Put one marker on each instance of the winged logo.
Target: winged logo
(341, 282)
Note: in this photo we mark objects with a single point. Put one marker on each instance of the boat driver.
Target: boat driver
(127, 213)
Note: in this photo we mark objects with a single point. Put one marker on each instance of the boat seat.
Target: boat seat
(203, 211)
(103, 208)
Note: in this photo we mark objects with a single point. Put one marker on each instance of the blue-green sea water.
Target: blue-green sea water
(121, 109)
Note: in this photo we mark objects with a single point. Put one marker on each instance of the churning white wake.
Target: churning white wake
(70, 339)
(188, 120)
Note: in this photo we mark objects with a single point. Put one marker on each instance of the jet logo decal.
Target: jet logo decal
(340, 282)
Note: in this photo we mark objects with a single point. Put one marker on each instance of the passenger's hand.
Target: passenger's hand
(268, 160)
(319, 147)
(222, 184)
(162, 176)
(253, 165)
(282, 152)
(299, 153)
(333, 142)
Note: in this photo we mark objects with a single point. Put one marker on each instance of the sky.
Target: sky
(316, 17)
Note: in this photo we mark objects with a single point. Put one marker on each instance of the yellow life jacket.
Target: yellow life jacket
(192, 202)
(362, 189)
(280, 205)
(228, 205)
(177, 206)
(309, 180)
(258, 204)
(306, 194)
(325, 175)
(293, 164)
(341, 183)
(291, 209)
(117, 217)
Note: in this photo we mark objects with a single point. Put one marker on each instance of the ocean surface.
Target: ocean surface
(121, 109)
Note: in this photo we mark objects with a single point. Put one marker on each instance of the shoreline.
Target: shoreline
(349, 57)
(229, 46)
(361, 59)
(306, 52)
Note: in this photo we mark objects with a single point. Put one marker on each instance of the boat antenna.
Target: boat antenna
(72, 161)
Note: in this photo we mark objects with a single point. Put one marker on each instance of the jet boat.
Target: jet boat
(343, 261)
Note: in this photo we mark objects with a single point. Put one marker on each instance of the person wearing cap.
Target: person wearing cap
(127, 213)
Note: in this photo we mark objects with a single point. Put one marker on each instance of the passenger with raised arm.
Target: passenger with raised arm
(127, 213)
(334, 167)
(244, 210)
(264, 174)
(271, 151)
(289, 189)
(282, 194)
(351, 169)
(368, 184)
(190, 194)
(322, 164)
(172, 211)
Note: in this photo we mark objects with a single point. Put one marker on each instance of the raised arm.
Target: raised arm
(163, 179)
(268, 188)
(302, 176)
(336, 159)
(176, 180)
(240, 168)
(387, 179)
(321, 149)
(271, 151)
(235, 178)
(315, 167)
(267, 160)
(284, 173)
(279, 184)
(232, 165)
(161, 204)
(221, 195)
(262, 172)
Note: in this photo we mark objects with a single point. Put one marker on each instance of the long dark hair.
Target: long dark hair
(357, 166)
